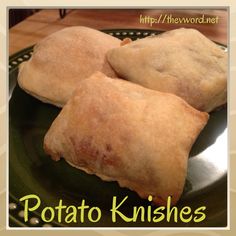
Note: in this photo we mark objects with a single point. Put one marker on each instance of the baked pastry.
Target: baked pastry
(182, 61)
(61, 60)
(124, 132)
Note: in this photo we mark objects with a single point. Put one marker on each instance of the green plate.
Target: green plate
(32, 172)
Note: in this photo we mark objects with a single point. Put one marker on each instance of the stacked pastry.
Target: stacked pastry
(127, 129)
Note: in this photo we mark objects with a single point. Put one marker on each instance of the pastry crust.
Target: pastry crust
(182, 61)
(61, 60)
(124, 132)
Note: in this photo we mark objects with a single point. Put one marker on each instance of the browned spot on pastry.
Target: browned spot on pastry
(125, 41)
(85, 144)
(108, 147)
(84, 147)
(111, 160)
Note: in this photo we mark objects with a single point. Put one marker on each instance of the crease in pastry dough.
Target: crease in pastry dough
(124, 132)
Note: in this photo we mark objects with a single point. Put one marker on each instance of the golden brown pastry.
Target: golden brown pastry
(182, 61)
(124, 132)
(61, 60)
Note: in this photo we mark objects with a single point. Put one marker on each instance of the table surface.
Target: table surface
(45, 22)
